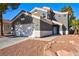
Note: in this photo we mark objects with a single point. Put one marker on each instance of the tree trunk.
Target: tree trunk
(68, 22)
(1, 22)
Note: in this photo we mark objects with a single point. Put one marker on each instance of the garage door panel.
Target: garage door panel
(24, 30)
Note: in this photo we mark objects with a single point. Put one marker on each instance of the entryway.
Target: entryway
(55, 29)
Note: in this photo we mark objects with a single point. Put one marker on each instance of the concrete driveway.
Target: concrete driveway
(8, 41)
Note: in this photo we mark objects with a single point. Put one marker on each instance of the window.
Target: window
(18, 23)
(43, 15)
(48, 15)
(64, 15)
(7, 26)
(59, 16)
(35, 10)
(22, 19)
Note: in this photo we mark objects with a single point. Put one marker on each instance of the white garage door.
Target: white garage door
(24, 30)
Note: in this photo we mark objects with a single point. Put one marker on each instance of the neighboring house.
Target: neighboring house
(6, 27)
(40, 22)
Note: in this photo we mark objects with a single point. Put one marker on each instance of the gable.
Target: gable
(39, 12)
(23, 19)
(18, 15)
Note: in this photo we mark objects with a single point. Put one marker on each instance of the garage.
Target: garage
(22, 24)
(24, 30)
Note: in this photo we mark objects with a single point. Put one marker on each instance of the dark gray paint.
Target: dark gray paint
(45, 26)
(28, 19)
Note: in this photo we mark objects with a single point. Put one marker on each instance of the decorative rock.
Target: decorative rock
(62, 42)
(72, 42)
(53, 42)
(64, 53)
(48, 53)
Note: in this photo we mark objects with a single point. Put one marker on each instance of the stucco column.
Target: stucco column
(61, 30)
(66, 32)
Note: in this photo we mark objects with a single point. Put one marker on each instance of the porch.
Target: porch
(58, 28)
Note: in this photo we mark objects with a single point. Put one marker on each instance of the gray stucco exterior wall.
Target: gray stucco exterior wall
(36, 23)
(45, 26)
(42, 27)
(62, 18)
(27, 19)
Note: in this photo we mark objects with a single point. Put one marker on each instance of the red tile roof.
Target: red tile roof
(6, 22)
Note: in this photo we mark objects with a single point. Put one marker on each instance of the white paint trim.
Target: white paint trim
(45, 33)
(46, 7)
(60, 12)
(61, 32)
(57, 22)
(35, 34)
(49, 9)
(26, 13)
(38, 17)
(40, 33)
(38, 9)
(47, 21)
(18, 16)
(66, 32)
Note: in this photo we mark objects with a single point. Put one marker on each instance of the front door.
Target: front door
(55, 29)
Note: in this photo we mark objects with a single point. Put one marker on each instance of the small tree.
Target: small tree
(3, 8)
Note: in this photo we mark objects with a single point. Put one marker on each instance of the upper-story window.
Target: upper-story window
(18, 23)
(35, 10)
(22, 19)
(49, 16)
(59, 15)
(43, 15)
(64, 15)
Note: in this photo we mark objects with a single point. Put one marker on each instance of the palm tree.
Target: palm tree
(3, 8)
(70, 10)
(72, 21)
(64, 9)
(67, 9)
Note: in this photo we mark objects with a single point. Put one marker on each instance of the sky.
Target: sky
(10, 14)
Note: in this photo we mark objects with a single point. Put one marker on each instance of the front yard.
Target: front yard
(28, 47)
(59, 46)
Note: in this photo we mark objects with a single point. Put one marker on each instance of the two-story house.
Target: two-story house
(40, 22)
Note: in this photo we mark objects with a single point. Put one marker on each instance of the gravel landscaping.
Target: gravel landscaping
(68, 45)
(65, 45)
(28, 47)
